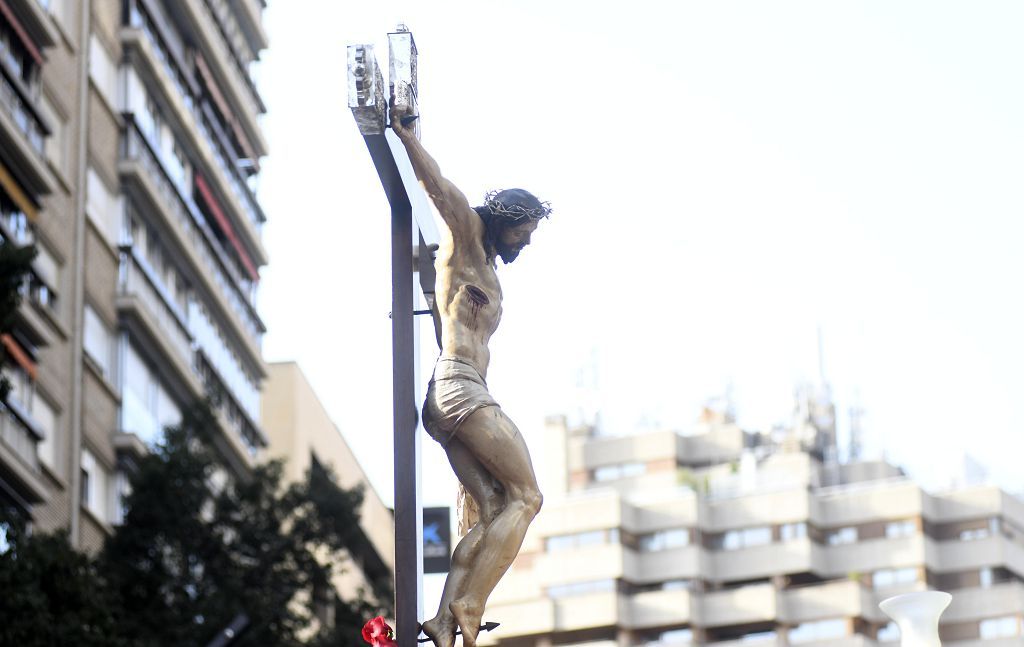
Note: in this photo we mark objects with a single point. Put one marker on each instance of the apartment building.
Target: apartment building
(131, 146)
(302, 435)
(724, 537)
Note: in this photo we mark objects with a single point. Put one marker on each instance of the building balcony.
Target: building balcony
(33, 15)
(145, 176)
(849, 505)
(583, 564)
(755, 509)
(159, 67)
(745, 605)
(585, 611)
(238, 87)
(989, 642)
(776, 558)
(656, 609)
(683, 562)
(23, 133)
(521, 618)
(19, 438)
(252, 14)
(142, 304)
(962, 555)
(592, 510)
(979, 603)
(869, 555)
(545, 615)
(838, 599)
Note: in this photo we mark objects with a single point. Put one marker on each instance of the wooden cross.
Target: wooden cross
(413, 235)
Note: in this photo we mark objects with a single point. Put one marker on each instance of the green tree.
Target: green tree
(191, 555)
(53, 596)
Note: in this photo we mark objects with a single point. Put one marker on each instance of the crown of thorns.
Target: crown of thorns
(515, 211)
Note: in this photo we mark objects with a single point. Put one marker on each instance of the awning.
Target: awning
(222, 106)
(13, 190)
(225, 225)
(23, 36)
(18, 354)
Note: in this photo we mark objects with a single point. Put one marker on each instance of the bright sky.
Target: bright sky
(726, 177)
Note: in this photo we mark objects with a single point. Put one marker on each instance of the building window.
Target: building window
(46, 417)
(990, 528)
(94, 486)
(675, 636)
(888, 577)
(619, 471)
(985, 577)
(897, 529)
(122, 490)
(559, 543)
(746, 538)
(841, 536)
(819, 630)
(16, 222)
(1004, 627)
(45, 277)
(146, 406)
(581, 588)
(664, 540)
(99, 343)
(792, 531)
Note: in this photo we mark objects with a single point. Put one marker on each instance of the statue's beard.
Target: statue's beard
(507, 253)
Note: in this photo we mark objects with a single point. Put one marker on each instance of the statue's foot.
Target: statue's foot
(440, 632)
(468, 620)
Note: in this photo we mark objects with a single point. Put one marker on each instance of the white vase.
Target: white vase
(917, 616)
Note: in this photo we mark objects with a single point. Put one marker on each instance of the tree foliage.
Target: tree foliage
(195, 550)
(53, 595)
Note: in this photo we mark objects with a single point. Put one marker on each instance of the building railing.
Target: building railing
(19, 436)
(138, 18)
(135, 280)
(233, 413)
(252, 99)
(24, 115)
(197, 232)
(242, 193)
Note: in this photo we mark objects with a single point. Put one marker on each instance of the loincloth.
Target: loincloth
(456, 390)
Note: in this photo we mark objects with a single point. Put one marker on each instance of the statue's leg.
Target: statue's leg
(495, 441)
(490, 497)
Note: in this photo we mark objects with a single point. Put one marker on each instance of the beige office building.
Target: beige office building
(731, 538)
(130, 145)
(303, 436)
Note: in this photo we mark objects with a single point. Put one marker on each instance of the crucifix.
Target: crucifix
(483, 445)
(413, 235)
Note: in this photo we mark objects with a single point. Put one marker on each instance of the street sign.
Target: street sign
(437, 540)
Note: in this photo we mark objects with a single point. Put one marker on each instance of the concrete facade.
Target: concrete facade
(303, 436)
(724, 536)
(130, 146)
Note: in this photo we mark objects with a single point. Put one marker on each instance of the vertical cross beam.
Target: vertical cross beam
(411, 223)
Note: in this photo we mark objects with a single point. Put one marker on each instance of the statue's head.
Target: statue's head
(511, 216)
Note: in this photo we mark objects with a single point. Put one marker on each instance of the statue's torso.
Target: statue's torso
(468, 297)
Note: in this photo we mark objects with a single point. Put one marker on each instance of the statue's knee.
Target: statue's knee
(532, 501)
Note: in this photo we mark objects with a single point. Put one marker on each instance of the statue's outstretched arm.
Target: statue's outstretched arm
(451, 203)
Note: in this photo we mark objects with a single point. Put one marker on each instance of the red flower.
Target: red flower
(378, 633)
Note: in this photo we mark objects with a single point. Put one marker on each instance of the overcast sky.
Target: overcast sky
(727, 177)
